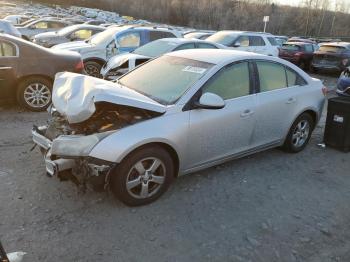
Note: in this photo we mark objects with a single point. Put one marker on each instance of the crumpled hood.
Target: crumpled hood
(73, 46)
(74, 96)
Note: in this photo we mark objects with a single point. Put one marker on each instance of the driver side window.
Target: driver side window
(81, 34)
(41, 25)
(231, 82)
(243, 41)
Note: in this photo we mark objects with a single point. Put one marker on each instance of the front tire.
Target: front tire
(93, 68)
(299, 134)
(34, 93)
(143, 176)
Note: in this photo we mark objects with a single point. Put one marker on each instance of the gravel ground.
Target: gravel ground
(268, 207)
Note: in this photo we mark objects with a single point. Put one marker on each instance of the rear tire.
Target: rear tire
(34, 93)
(143, 176)
(299, 134)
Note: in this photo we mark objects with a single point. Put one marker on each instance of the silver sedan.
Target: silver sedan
(176, 114)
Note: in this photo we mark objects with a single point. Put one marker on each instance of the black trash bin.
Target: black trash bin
(337, 132)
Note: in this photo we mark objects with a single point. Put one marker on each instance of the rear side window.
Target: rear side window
(273, 41)
(206, 46)
(41, 25)
(293, 78)
(231, 82)
(7, 49)
(272, 76)
(243, 41)
(309, 48)
(185, 46)
(155, 35)
(55, 25)
(256, 41)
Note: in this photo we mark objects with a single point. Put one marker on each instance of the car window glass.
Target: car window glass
(231, 82)
(185, 46)
(309, 48)
(82, 34)
(273, 41)
(256, 41)
(272, 76)
(168, 35)
(55, 25)
(129, 40)
(7, 49)
(293, 78)
(155, 35)
(243, 41)
(41, 25)
(206, 46)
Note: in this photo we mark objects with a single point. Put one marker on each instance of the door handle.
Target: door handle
(247, 113)
(291, 100)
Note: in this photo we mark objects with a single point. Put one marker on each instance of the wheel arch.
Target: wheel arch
(95, 59)
(166, 146)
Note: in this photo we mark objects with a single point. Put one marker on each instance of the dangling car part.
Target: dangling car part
(175, 115)
(343, 84)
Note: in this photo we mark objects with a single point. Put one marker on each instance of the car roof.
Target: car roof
(215, 56)
(87, 26)
(341, 44)
(244, 32)
(183, 40)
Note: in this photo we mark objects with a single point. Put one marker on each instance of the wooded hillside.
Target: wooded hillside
(312, 18)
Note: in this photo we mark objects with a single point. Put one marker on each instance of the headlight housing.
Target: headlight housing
(76, 145)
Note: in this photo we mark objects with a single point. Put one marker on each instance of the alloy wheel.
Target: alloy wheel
(145, 178)
(301, 133)
(37, 95)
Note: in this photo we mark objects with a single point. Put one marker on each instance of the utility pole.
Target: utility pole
(266, 20)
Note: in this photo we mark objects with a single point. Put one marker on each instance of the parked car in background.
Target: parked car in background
(298, 53)
(332, 56)
(7, 28)
(95, 22)
(115, 40)
(120, 64)
(177, 114)
(17, 19)
(28, 70)
(202, 35)
(41, 26)
(262, 43)
(68, 34)
(281, 39)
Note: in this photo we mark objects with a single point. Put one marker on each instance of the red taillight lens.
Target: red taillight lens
(79, 67)
(324, 90)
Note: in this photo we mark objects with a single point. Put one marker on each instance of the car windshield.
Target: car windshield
(224, 38)
(291, 47)
(67, 30)
(155, 48)
(165, 79)
(332, 49)
(105, 36)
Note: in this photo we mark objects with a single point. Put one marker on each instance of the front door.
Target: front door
(219, 133)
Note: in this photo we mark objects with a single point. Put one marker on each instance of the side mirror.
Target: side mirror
(237, 44)
(210, 101)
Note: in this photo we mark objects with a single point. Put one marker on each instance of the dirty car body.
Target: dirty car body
(97, 126)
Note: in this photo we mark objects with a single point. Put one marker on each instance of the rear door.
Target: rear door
(276, 103)
(8, 68)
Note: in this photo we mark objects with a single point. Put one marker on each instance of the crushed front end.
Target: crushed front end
(66, 147)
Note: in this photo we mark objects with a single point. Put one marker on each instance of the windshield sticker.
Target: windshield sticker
(193, 69)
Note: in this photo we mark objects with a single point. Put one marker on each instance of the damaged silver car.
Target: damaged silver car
(176, 114)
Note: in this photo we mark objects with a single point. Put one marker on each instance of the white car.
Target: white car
(115, 40)
(7, 28)
(16, 19)
(120, 64)
(261, 43)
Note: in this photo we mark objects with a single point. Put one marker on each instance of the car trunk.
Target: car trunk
(325, 58)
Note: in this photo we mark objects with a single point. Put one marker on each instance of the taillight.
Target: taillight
(324, 90)
(79, 67)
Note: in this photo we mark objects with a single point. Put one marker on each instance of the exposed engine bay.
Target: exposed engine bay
(79, 168)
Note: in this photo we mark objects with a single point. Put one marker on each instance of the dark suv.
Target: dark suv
(27, 71)
(298, 53)
(332, 56)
